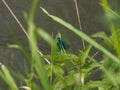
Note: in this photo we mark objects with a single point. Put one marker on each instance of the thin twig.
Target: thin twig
(21, 26)
(79, 21)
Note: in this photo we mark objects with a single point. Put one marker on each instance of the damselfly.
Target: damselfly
(62, 45)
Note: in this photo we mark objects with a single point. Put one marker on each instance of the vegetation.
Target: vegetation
(61, 70)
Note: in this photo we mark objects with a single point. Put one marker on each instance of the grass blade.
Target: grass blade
(8, 78)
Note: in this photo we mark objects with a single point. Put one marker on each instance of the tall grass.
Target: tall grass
(67, 71)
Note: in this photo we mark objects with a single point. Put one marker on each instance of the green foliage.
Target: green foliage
(68, 71)
(83, 35)
(114, 21)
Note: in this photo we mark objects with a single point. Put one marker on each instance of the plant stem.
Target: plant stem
(79, 21)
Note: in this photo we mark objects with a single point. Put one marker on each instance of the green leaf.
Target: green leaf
(115, 39)
(37, 63)
(108, 40)
(8, 78)
(93, 85)
(45, 36)
(84, 54)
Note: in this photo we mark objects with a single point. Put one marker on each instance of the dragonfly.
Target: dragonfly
(62, 45)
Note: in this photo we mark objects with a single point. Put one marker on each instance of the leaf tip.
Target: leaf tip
(45, 11)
